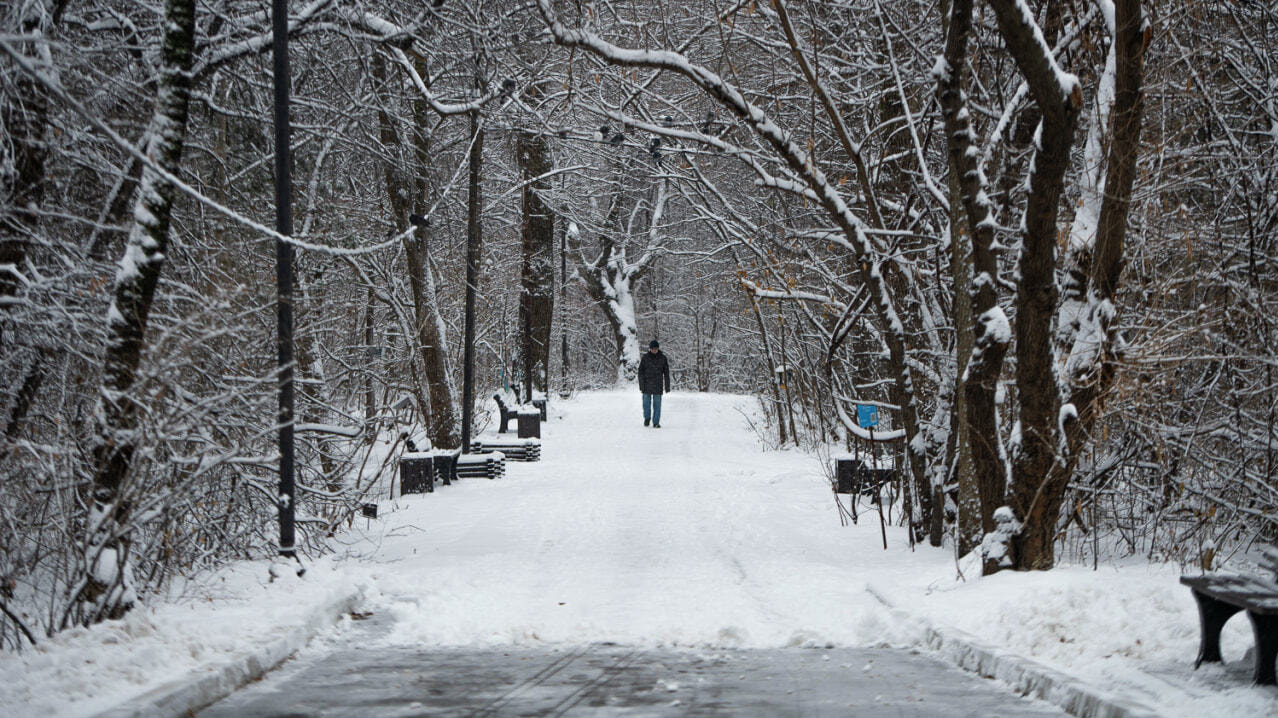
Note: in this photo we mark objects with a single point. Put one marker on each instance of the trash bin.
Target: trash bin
(416, 473)
(529, 422)
(849, 474)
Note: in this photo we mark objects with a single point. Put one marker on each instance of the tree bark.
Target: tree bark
(105, 592)
(444, 427)
(1092, 365)
(1035, 493)
(406, 192)
(474, 246)
(537, 276)
(981, 461)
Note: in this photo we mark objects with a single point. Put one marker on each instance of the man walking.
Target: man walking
(654, 380)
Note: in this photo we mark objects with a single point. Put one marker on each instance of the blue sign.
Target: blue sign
(867, 416)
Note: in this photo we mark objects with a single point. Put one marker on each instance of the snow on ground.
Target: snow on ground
(684, 536)
(84, 671)
(1129, 626)
(687, 535)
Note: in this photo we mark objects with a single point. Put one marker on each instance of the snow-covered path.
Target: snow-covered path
(687, 535)
(633, 571)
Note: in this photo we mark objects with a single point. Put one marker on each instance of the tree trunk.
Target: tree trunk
(1092, 364)
(474, 246)
(537, 277)
(1035, 493)
(433, 388)
(441, 423)
(370, 396)
(981, 463)
(444, 427)
(106, 592)
(610, 278)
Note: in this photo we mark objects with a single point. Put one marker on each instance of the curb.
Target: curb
(1026, 677)
(199, 689)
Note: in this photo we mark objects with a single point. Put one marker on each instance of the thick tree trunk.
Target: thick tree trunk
(613, 296)
(610, 278)
(969, 528)
(1092, 364)
(537, 276)
(105, 591)
(474, 247)
(981, 465)
(444, 427)
(1035, 493)
(24, 118)
(433, 387)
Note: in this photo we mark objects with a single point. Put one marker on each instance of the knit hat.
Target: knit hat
(653, 344)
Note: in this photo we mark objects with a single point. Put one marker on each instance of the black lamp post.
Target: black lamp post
(284, 273)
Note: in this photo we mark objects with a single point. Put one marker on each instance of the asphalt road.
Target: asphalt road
(362, 673)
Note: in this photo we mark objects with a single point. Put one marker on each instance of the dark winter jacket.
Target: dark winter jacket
(654, 373)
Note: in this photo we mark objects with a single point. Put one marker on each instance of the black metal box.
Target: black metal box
(416, 474)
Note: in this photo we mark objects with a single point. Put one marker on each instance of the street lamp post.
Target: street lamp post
(283, 274)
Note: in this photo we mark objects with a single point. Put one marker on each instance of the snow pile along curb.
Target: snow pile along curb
(1023, 675)
(199, 689)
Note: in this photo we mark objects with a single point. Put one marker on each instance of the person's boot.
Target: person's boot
(656, 426)
(646, 422)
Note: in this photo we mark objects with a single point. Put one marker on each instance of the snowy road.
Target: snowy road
(686, 548)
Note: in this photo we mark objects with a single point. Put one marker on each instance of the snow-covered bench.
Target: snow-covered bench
(527, 418)
(514, 449)
(506, 414)
(1221, 595)
(446, 465)
(481, 466)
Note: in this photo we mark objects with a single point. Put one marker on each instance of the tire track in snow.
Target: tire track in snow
(536, 679)
(605, 676)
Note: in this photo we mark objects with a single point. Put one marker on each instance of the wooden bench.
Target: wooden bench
(481, 466)
(446, 465)
(514, 449)
(1221, 595)
(506, 414)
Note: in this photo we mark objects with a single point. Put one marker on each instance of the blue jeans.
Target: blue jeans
(652, 408)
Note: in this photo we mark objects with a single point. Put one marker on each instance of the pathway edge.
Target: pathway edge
(205, 686)
(1023, 675)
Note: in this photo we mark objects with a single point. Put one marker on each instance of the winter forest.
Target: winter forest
(1041, 237)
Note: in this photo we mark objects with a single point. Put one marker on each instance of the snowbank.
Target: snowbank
(1127, 629)
(225, 630)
